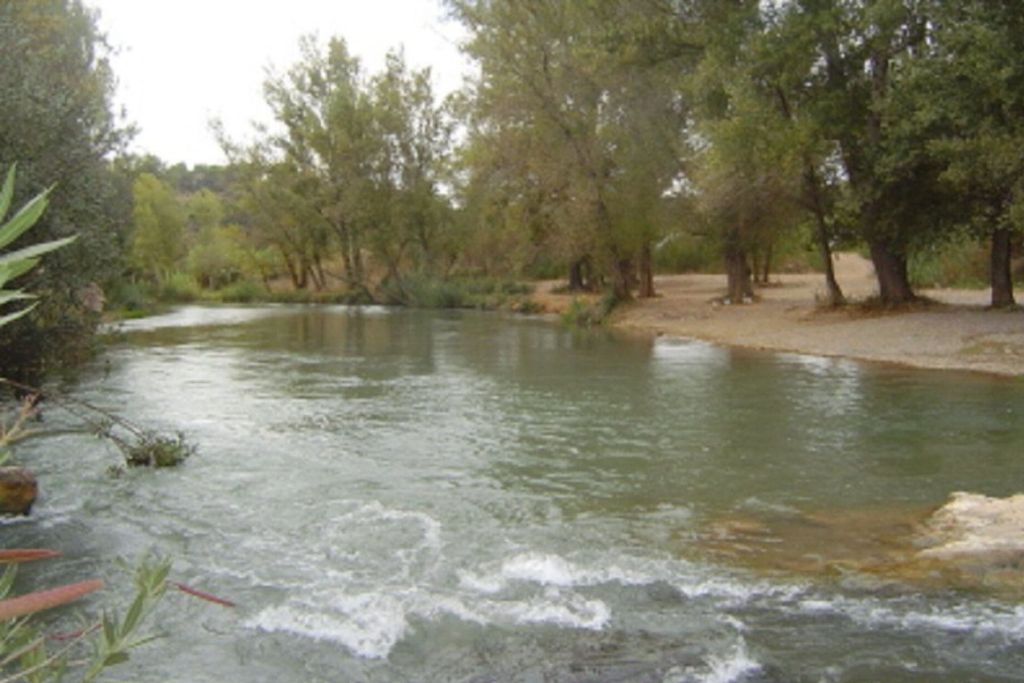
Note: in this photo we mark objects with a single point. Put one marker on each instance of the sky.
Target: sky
(180, 63)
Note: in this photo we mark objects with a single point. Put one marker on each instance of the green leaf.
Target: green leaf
(17, 314)
(115, 658)
(9, 296)
(36, 250)
(131, 618)
(143, 641)
(7, 580)
(160, 576)
(7, 192)
(9, 271)
(24, 219)
(109, 631)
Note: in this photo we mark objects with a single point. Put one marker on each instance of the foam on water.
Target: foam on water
(368, 625)
(730, 667)
(547, 569)
(978, 620)
(371, 624)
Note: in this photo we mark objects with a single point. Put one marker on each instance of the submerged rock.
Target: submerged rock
(973, 541)
(978, 535)
(18, 490)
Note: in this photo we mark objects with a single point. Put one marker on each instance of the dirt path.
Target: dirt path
(957, 332)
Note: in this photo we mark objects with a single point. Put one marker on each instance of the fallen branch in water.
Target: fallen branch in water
(202, 595)
(140, 446)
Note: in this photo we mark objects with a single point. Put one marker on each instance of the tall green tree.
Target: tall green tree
(966, 95)
(570, 95)
(891, 196)
(58, 122)
(355, 168)
(158, 243)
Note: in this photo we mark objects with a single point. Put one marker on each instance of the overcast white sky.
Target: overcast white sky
(182, 62)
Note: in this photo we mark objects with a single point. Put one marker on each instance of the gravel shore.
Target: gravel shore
(954, 331)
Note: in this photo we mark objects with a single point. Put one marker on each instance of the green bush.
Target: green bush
(583, 314)
(420, 291)
(683, 253)
(308, 296)
(959, 263)
(179, 288)
(243, 292)
(156, 450)
(129, 296)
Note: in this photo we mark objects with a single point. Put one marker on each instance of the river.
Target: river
(395, 495)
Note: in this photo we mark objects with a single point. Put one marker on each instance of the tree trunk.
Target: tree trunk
(646, 268)
(576, 280)
(622, 275)
(766, 266)
(891, 271)
(835, 294)
(813, 189)
(1001, 275)
(738, 274)
(293, 272)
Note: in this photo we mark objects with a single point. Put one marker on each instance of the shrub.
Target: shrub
(149, 449)
(583, 314)
(685, 253)
(958, 263)
(243, 292)
(129, 296)
(422, 291)
(179, 288)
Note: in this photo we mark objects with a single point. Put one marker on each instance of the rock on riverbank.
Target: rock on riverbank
(18, 490)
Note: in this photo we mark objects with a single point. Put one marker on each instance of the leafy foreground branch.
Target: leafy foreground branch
(26, 653)
(141, 447)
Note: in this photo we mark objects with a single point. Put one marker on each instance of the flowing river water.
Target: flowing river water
(394, 495)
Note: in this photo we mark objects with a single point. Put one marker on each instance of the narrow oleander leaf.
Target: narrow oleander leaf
(14, 269)
(7, 580)
(7, 192)
(115, 658)
(14, 316)
(36, 250)
(24, 219)
(9, 296)
(26, 555)
(109, 631)
(134, 613)
(12, 608)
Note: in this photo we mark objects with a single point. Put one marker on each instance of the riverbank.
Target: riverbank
(954, 331)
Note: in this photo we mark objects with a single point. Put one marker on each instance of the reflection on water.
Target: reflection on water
(401, 495)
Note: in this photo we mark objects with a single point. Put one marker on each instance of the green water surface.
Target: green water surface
(393, 495)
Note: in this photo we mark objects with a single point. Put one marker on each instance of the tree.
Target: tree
(159, 223)
(416, 136)
(967, 93)
(891, 197)
(583, 117)
(355, 167)
(56, 118)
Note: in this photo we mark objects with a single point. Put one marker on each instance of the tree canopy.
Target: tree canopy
(58, 124)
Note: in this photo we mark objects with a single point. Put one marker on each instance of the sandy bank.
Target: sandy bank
(957, 332)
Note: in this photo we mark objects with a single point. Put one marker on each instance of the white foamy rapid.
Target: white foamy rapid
(526, 588)
(734, 666)
(977, 620)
